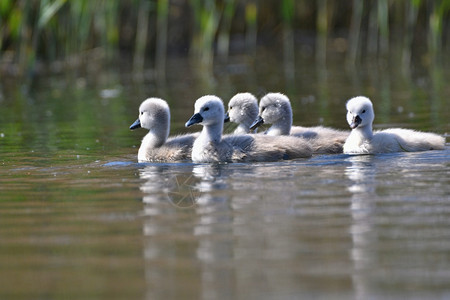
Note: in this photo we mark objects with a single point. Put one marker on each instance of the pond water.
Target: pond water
(80, 218)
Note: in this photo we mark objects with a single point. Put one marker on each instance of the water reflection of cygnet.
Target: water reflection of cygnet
(362, 173)
(165, 187)
(211, 181)
(214, 230)
(154, 185)
(168, 195)
(212, 197)
(166, 184)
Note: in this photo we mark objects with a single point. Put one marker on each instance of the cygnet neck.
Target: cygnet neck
(212, 132)
(156, 137)
(281, 127)
(242, 128)
(364, 131)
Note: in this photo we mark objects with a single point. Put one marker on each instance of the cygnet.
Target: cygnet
(154, 115)
(275, 109)
(362, 140)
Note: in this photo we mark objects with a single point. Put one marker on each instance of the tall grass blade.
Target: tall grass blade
(223, 40)
(141, 36)
(288, 8)
(383, 21)
(355, 30)
(162, 12)
(251, 16)
(48, 11)
(411, 12)
(322, 32)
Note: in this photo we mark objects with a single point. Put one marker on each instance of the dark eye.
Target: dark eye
(364, 111)
(142, 112)
(206, 108)
(263, 109)
(231, 107)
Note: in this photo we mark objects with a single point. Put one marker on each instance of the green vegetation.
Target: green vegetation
(47, 33)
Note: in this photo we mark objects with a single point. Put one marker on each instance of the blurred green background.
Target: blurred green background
(50, 35)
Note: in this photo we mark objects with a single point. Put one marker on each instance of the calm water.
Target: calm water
(79, 218)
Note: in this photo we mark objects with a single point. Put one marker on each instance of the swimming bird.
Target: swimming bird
(275, 109)
(154, 115)
(362, 140)
(243, 110)
(210, 146)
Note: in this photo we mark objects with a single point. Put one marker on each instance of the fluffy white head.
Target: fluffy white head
(154, 115)
(360, 112)
(211, 109)
(243, 108)
(154, 112)
(208, 111)
(275, 107)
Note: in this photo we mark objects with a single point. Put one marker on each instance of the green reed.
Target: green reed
(161, 36)
(251, 18)
(287, 13)
(411, 13)
(322, 31)
(439, 10)
(223, 38)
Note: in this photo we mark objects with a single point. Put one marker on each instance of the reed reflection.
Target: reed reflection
(362, 173)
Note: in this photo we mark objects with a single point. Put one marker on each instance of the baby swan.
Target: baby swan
(362, 140)
(211, 147)
(243, 110)
(275, 109)
(154, 115)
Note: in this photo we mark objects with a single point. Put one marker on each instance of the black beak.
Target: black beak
(227, 118)
(258, 122)
(195, 119)
(136, 124)
(355, 122)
